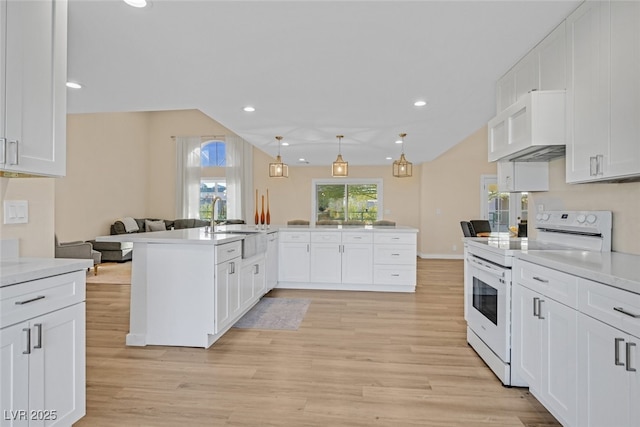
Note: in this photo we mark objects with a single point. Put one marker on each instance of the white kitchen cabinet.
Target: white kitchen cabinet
(609, 383)
(603, 92)
(252, 280)
(33, 97)
(523, 176)
(326, 257)
(42, 375)
(534, 121)
(227, 291)
(294, 259)
(526, 359)
(394, 259)
(542, 68)
(272, 261)
(357, 257)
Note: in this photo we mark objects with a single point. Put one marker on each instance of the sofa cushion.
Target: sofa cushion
(111, 246)
(154, 225)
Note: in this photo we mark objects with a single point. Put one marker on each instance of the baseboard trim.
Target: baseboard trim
(441, 256)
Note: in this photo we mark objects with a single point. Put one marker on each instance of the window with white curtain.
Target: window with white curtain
(213, 167)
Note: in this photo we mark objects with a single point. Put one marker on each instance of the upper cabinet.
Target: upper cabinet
(33, 73)
(603, 92)
(543, 68)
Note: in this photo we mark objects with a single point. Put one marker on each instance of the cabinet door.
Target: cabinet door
(246, 283)
(272, 261)
(14, 375)
(227, 292)
(603, 385)
(623, 156)
(559, 353)
(259, 279)
(326, 263)
(3, 94)
(526, 74)
(587, 89)
(357, 263)
(36, 73)
(506, 91)
(526, 354)
(552, 57)
(294, 262)
(57, 365)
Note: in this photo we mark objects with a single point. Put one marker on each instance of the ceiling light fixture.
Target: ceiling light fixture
(420, 103)
(74, 85)
(136, 3)
(278, 169)
(249, 109)
(340, 167)
(402, 168)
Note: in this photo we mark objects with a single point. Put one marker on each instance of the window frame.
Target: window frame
(346, 181)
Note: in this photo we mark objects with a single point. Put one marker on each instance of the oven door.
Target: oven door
(488, 300)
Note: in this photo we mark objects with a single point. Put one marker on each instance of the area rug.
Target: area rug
(275, 313)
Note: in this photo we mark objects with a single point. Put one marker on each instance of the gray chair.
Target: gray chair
(481, 226)
(327, 222)
(467, 229)
(384, 222)
(298, 222)
(78, 250)
(233, 221)
(352, 222)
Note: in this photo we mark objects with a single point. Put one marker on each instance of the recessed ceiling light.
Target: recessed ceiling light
(136, 3)
(388, 158)
(249, 109)
(74, 85)
(301, 159)
(399, 141)
(285, 143)
(420, 103)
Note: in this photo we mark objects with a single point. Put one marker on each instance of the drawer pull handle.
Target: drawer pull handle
(395, 275)
(629, 345)
(357, 238)
(28, 331)
(540, 279)
(230, 251)
(39, 297)
(623, 311)
(395, 238)
(616, 353)
(38, 326)
(395, 254)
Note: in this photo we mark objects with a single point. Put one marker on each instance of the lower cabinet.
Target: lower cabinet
(609, 384)
(335, 258)
(544, 350)
(43, 369)
(271, 267)
(252, 280)
(227, 292)
(293, 259)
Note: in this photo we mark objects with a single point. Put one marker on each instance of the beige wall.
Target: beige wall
(36, 237)
(622, 199)
(450, 193)
(290, 198)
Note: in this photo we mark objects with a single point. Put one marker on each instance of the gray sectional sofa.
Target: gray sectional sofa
(123, 251)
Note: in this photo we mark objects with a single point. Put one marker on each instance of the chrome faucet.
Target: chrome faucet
(213, 210)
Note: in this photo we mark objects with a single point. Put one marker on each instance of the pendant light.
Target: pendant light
(402, 168)
(340, 167)
(278, 169)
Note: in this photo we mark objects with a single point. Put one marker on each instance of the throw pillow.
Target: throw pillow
(154, 225)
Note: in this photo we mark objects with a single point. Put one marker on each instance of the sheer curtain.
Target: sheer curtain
(188, 176)
(239, 173)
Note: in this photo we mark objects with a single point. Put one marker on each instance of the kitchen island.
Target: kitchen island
(186, 285)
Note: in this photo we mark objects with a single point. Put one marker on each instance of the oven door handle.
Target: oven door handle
(486, 268)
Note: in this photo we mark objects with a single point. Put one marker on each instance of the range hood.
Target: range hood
(532, 129)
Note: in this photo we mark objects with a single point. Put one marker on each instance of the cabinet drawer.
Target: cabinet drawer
(228, 251)
(554, 284)
(394, 254)
(297, 236)
(613, 306)
(403, 238)
(29, 299)
(329, 237)
(394, 275)
(348, 237)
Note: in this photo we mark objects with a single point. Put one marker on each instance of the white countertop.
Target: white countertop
(18, 270)
(185, 235)
(366, 228)
(615, 269)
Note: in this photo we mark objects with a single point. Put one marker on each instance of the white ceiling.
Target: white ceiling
(312, 69)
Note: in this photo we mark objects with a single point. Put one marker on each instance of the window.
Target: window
(357, 200)
(213, 153)
(502, 209)
(209, 189)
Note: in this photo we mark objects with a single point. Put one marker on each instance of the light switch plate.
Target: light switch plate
(16, 212)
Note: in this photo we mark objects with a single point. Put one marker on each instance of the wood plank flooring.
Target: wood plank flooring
(358, 359)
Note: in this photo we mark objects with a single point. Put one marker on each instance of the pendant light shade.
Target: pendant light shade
(278, 169)
(402, 168)
(340, 168)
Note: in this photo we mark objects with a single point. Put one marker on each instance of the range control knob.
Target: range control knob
(580, 218)
(591, 218)
(539, 216)
(545, 217)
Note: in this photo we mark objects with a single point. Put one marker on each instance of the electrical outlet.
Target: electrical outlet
(540, 208)
(454, 248)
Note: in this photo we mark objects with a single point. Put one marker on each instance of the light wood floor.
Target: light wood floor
(359, 359)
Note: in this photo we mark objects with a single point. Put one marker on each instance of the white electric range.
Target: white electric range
(487, 281)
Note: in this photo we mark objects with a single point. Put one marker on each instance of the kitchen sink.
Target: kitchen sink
(254, 242)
